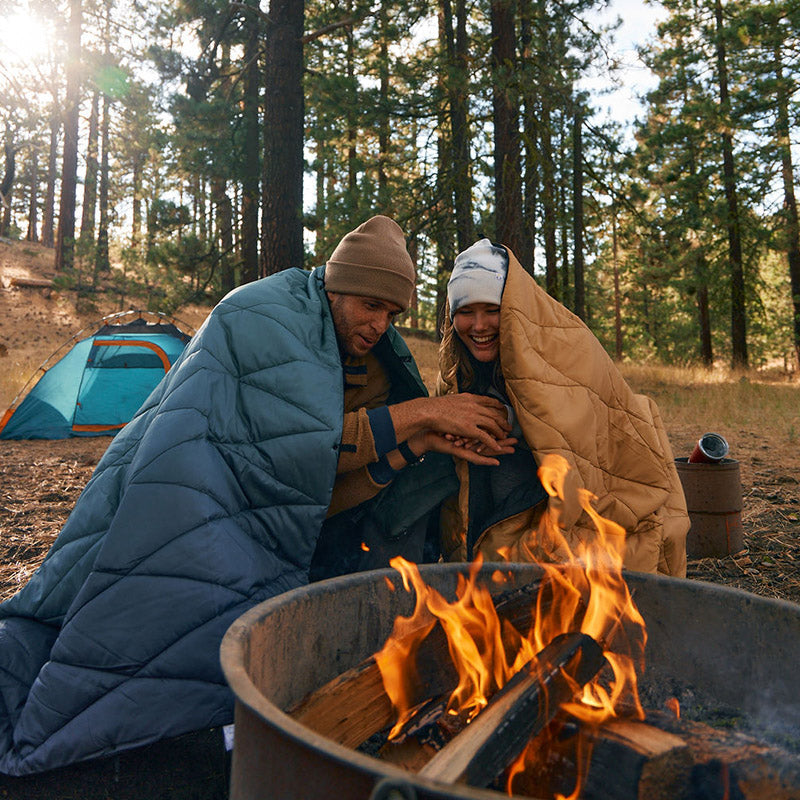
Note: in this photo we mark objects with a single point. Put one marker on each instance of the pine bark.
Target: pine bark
(549, 211)
(732, 222)
(457, 90)
(65, 238)
(90, 178)
(250, 188)
(48, 212)
(102, 264)
(789, 198)
(283, 138)
(7, 187)
(445, 180)
(530, 136)
(224, 233)
(507, 178)
(618, 337)
(577, 213)
(136, 216)
(33, 199)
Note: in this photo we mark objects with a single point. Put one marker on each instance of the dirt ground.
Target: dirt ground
(40, 481)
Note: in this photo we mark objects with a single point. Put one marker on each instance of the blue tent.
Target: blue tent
(97, 386)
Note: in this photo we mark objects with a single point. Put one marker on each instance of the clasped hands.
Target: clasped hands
(468, 426)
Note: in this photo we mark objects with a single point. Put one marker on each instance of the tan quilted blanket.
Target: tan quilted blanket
(571, 400)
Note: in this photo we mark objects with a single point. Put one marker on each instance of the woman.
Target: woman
(506, 337)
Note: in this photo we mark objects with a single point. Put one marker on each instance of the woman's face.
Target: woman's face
(478, 326)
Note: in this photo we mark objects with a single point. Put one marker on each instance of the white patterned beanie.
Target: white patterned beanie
(479, 276)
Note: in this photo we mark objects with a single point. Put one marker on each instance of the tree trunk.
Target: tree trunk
(384, 201)
(700, 264)
(48, 213)
(458, 101)
(136, 215)
(90, 179)
(33, 200)
(101, 261)
(618, 341)
(789, 199)
(7, 187)
(738, 314)
(283, 138)
(249, 229)
(549, 211)
(224, 234)
(577, 211)
(507, 178)
(445, 181)
(320, 170)
(530, 177)
(65, 238)
(352, 106)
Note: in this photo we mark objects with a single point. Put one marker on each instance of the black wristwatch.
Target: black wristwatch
(408, 454)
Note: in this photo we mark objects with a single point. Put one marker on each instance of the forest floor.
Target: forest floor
(40, 481)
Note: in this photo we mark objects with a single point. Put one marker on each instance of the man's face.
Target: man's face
(360, 321)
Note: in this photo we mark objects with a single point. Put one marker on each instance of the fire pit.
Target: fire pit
(723, 648)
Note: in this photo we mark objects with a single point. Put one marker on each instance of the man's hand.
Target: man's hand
(464, 416)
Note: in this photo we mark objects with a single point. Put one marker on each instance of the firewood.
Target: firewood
(410, 754)
(348, 709)
(517, 712)
(734, 762)
(632, 760)
(354, 706)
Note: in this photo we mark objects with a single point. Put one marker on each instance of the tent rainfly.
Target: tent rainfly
(97, 386)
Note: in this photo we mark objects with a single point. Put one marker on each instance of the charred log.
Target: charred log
(520, 710)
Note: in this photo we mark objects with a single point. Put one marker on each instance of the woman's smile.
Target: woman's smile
(478, 327)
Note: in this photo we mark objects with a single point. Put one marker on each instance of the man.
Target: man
(215, 497)
(389, 423)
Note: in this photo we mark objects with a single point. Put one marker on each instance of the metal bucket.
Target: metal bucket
(728, 646)
(714, 501)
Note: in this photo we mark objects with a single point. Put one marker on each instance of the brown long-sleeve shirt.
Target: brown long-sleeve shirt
(366, 388)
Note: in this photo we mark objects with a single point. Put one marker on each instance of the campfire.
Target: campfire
(467, 681)
(583, 618)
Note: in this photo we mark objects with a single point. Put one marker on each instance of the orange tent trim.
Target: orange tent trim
(134, 343)
(97, 428)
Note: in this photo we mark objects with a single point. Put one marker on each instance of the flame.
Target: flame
(583, 591)
(365, 547)
(475, 638)
(674, 706)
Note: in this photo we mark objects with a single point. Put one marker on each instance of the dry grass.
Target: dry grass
(426, 354)
(707, 400)
(721, 399)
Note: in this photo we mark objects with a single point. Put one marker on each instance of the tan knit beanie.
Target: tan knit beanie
(372, 261)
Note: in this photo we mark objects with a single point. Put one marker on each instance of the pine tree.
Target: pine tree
(65, 239)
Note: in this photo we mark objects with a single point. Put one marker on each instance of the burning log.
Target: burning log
(517, 712)
(664, 759)
(735, 764)
(354, 705)
(632, 760)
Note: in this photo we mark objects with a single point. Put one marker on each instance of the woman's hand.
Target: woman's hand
(468, 449)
